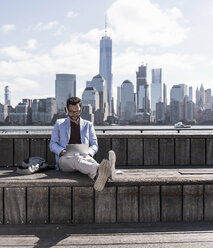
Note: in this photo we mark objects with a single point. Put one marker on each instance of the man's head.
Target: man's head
(74, 108)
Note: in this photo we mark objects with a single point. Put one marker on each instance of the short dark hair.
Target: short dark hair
(73, 101)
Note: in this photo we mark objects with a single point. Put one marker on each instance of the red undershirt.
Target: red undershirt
(75, 136)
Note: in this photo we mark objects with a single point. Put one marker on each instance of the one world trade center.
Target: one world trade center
(105, 65)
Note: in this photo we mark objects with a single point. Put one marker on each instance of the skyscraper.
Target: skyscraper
(65, 87)
(156, 88)
(190, 93)
(105, 65)
(142, 90)
(127, 100)
(7, 99)
(99, 83)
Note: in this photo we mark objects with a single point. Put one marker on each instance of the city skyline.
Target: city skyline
(37, 44)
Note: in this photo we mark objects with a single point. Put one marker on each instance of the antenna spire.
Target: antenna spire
(105, 25)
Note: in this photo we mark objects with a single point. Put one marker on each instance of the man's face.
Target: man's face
(74, 112)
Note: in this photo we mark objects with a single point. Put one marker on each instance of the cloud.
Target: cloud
(144, 23)
(22, 84)
(71, 14)
(14, 52)
(60, 30)
(8, 27)
(31, 44)
(45, 27)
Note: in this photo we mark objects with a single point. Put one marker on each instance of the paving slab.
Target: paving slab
(124, 235)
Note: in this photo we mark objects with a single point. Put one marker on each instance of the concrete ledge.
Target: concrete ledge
(137, 196)
(138, 176)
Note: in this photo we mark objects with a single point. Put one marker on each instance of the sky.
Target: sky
(41, 38)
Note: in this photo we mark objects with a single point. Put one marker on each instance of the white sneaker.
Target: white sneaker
(104, 172)
(112, 160)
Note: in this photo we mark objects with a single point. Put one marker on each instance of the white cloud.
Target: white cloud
(211, 10)
(31, 44)
(22, 84)
(143, 23)
(8, 27)
(60, 30)
(71, 14)
(48, 26)
(14, 52)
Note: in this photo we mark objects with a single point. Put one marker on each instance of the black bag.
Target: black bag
(32, 165)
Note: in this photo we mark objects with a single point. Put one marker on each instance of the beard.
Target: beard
(74, 118)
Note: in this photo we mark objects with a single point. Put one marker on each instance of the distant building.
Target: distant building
(176, 111)
(7, 97)
(156, 88)
(21, 114)
(3, 112)
(90, 97)
(99, 83)
(165, 94)
(127, 101)
(65, 87)
(43, 110)
(87, 113)
(189, 111)
(119, 101)
(160, 112)
(208, 99)
(105, 66)
(190, 94)
(142, 90)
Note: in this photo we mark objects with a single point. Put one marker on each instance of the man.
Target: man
(75, 130)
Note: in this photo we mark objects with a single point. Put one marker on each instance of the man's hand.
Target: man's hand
(62, 153)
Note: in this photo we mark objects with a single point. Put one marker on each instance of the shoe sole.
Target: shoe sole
(104, 172)
(112, 160)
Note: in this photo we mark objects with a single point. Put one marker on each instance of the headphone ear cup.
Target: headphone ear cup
(65, 110)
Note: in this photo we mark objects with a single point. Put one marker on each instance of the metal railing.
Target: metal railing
(107, 129)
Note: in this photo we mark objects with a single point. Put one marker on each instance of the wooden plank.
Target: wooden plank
(171, 203)
(127, 204)
(198, 151)
(166, 151)
(15, 205)
(182, 151)
(135, 151)
(83, 204)
(149, 203)
(120, 148)
(208, 198)
(192, 202)
(50, 155)
(209, 152)
(60, 205)
(6, 148)
(37, 205)
(21, 150)
(105, 205)
(38, 148)
(151, 151)
(1, 206)
(104, 145)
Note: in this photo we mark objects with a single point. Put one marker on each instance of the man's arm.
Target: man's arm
(93, 143)
(55, 141)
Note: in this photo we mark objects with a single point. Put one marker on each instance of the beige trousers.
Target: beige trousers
(84, 164)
